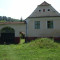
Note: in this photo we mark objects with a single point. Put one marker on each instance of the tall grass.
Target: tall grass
(44, 43)
(40, 49)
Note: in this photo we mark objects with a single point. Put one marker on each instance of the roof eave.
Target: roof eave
(43, 16)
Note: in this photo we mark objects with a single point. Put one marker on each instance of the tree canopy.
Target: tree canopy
(9, 19)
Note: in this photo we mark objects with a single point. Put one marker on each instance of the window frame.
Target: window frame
(50, 25)
(37, 24)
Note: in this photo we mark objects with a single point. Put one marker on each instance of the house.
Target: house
(43, 22)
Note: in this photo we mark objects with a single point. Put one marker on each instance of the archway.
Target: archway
(7, 35)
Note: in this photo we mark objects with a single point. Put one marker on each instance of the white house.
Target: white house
(43, 22)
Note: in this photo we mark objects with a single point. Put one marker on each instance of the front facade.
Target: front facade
(43, 22)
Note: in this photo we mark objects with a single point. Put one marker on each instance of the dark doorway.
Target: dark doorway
(7, 35)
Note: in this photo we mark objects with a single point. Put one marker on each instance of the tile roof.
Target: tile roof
(12, 22)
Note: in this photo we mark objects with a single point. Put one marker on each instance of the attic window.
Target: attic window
(48, 9)
(39, 10)
(43, 10)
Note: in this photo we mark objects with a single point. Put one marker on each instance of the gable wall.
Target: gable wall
(52, 11)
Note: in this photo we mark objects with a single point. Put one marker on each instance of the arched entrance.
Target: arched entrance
(7, 35)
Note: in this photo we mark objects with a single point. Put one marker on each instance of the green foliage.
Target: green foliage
(22, 36)
(8, 19)
(3, 21)
(44, 43)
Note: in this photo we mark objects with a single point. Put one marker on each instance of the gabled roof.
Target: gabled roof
(44, 4)
(44, 10)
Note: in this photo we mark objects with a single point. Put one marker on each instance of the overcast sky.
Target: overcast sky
(23, 8)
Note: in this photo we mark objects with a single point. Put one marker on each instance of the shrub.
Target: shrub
(44, 43)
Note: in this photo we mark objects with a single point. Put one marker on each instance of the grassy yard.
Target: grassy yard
(40, 49)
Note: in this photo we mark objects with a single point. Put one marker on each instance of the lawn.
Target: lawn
(35, 50)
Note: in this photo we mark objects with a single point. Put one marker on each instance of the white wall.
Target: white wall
(44, 31)
(17, 27)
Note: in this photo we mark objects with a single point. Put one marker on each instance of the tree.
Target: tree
(21, 20)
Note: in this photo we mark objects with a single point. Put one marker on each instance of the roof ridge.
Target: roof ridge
(44, 4)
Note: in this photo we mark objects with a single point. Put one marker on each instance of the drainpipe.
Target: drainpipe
(26, 31)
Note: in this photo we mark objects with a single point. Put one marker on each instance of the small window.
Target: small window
(49, 24)
(39, 10)
(43, 10)
(48, 9)
(37, 24)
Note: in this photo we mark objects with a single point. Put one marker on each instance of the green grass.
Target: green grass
(40, 49)
(22, 41)
(2, 21)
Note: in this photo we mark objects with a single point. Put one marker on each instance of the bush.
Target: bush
(44, 43)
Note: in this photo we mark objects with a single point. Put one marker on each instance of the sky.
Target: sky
(23, 8)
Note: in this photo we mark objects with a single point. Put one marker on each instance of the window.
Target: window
(43, 10)
(49, 24)
(48, 9)
(37, 24)
(39, 10)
